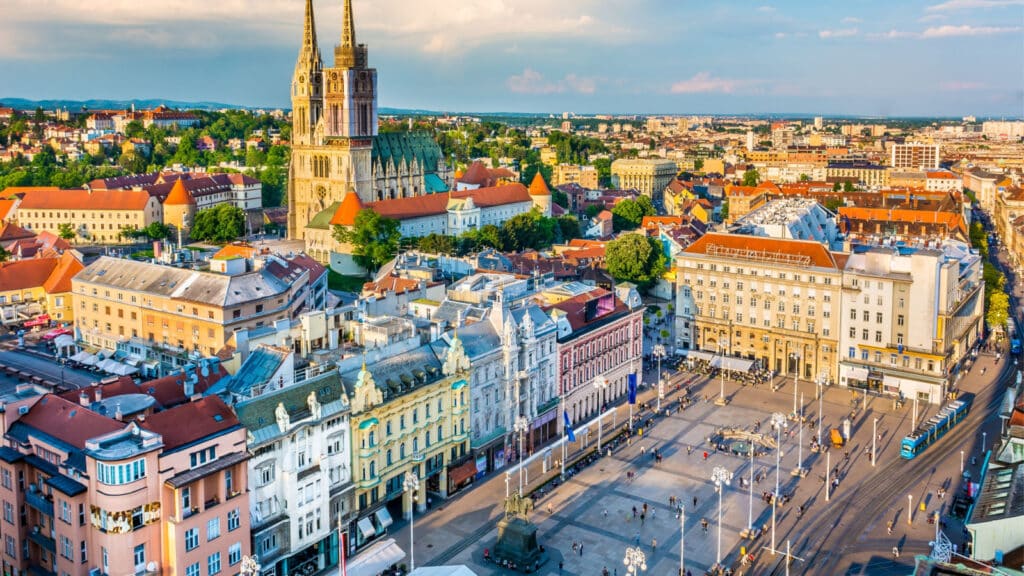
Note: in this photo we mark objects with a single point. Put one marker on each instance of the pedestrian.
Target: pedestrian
(634, 512)
(694, 501)
(654, 512)
(605, 512)
(704, 525)
(636, 538)
(581, 549)
(575, 546)
(889, 527)
(642, 516)
(654, 545)
(561, 565)
(895, 551)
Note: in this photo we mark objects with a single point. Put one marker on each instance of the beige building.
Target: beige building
(649, 176)
(867, 174)
(765, 299)
(585, 176)
(118, 300)
(96, 216)
(915, 156)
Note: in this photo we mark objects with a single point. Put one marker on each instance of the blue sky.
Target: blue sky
(868, 57)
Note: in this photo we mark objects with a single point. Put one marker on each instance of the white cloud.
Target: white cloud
(533, 82)
(840, 33)
(966, 30)
(704, 83)
(892, 35)
(973, 4)
(851, 20)
(959, 86)
(780, 35)
(766, 8)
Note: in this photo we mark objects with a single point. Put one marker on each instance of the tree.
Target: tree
(979, 238)
(222, 223)
(66, 231)
(569, 227)
(593, 210)
(805, 178)
(997, 311)
(132, 163)
(156, 231)
(628, 214)
(374, 239)
(4, 254)
(837, 187)
(833, 204)
(698, 164)
(134, 129)
(635, 258)
(436, 244)
(847, 186)
(723, 212)
(528, 230)
(560, 198)
(604, 171)
(751, 177)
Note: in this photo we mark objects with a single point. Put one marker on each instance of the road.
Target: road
(46, 368)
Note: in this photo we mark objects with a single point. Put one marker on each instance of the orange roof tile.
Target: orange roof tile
(179, 196)
(26, 274)
(538, 187)
(85, 200)
(346, 213)
(59, 281)
(476, 174)
(206, 417)
(68, 421)
(7, 208)
(742, 246)
(949, 219)
(433, 204)
(12, 191)
(652, 221)
(232, 250)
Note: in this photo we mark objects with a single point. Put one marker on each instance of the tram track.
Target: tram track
(832, 533)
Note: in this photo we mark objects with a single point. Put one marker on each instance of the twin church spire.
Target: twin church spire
(347, 54)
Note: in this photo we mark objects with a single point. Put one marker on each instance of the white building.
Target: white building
(300, 471)
(792, 219)
(910, 316)
(1003, 130)
(649, 176)
(915, 156)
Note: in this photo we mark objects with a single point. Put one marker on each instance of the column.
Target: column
(444, 483)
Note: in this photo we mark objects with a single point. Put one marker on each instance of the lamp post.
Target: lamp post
(799, 470)
(961, 462)
(828, 474)
(821, 396)
(250, 566)
(682, 539)
(874, 442)
(635, 560)
(520, 427)
(659, 353)
(750, 503)
(796, 377)
(600, 384)
(721, 477)
(722, 345)
(778, 422)
(910, 509)
(411, 484)
(984, 443)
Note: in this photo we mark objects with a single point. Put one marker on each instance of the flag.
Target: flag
(568, 426)
(632, 388)
(342, 544)
(901, 348)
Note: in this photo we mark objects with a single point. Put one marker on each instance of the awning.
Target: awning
(89, 360)
(733, 364)
(462, 472)
(132, 361)
(63, 341)
(383, 518)
(375, 559)
(857, 373)
(80, 356)
(701, 355)
(366, 528)
(1008, 402)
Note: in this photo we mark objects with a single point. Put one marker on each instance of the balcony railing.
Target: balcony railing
(40, 502)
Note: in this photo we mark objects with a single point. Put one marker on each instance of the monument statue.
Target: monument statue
(517, 545)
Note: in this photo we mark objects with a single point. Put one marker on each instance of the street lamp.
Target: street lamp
(910, 509)
(874, 442)
(749, 532)
(411, 484)
(635, 560)
(796, 377)
(659, 353)
(799, 470)
(722, 345)
(520, 427)
(821, 396)
(721, 477)
(600, 384)
(778, 422)
(250, 566)
(682, 538)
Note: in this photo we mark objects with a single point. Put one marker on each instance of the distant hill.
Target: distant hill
(142, 104)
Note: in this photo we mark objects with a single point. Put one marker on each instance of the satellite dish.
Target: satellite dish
(152, 567)
(205, 370)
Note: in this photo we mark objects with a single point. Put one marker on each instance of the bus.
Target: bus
(935, 428)
(1015, 346)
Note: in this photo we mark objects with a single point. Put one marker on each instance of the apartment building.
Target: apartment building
(864, 173)
(915, 156)
(36, 286)
(649, 176)
(585, 176)
(776, 301)
(96, 216)
(116, 485)
(161, 312)
(910, 317)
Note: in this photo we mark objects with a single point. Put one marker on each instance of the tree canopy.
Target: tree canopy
(751, 177)
(222, 223)
(635, 258)
(628, 214)
(374, 239)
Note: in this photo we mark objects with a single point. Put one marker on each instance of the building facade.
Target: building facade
(915, 156)
(910, 317)
(33, 287)
(585, 176)
(96, 216)
(772, 300)
(649, 176)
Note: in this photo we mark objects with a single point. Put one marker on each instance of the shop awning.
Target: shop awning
(701, 355)
(383, 518)
(80, 356)
(89, 360)
(375, 559)
(462, 472)
(63, 341)
(366, 528)
(857, 373)
(732, 364)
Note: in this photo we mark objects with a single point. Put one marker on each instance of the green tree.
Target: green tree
(374, 239)
(698, 164)
(529, 230)
(436, 244)
(848, 186)
(560, 198)
(132, 163)
(222, 223)
(604, 171)
(157, 231)
(751, 177)
(723, 212)
(635, 258)
(833, 204)
(979, 238)
(997, 309)
(569, 227)
(134, 129)
(66, 231)
(837, 187)
(628, 214)
(593, 210)
(805, 178)
(4, 254)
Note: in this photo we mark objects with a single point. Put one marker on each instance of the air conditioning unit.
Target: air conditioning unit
(152, 567)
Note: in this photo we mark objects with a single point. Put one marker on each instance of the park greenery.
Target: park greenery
(635, 258)
(997, 302)
(222, 223)
(629, 214)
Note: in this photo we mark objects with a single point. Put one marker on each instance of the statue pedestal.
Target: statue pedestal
(517, 543)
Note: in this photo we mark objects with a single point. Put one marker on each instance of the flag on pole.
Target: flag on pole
(341, 549)
(631, 390)
(568, 426)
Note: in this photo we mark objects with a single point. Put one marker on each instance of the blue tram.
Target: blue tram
(935, 428)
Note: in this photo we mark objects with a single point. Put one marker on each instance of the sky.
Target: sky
(856, 57)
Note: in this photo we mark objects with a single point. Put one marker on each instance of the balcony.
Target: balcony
(40, 502)
(37, 571)
(38, 536)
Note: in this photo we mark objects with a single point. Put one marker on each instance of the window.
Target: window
(878, 317)
(266, 474)
(67, 548)
(235, 554)
(140, 557)
(117, 474)
(864, 334)
(186, 500)
(866, 316)
(233, 520)
(10, 546)
(83, 552)
(853, 332)
(899, 320)
(8, 512)
(213, 564)
(192, 569)
(203, 456)
(878, 336)
(213, 529)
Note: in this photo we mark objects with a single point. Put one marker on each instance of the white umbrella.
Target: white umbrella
(89, 360)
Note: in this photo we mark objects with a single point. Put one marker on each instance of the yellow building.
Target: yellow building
(150, 305)
(96, 216)
(765, 299)
(649, 176)
(862, 172)
(409, 415)
(37, 286)
(549, 156)
(585, 176)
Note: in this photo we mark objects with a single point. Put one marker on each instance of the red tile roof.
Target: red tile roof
(757, 247)
(206, 417)
(7, 208)
(68, 421)
(26, 274)
(576, 308)
(179, 196)
(59, 281)
(10, 232)
(476, 174)
(538, 187)
(303, 260)
(84, 200)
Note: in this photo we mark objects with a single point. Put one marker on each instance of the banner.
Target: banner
(631, 390)
(568, 426)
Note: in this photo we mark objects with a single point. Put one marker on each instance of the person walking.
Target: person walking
(654, 545)
(704, 525)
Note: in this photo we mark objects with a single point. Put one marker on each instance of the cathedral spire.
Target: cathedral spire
(348, 27)
(309, 54)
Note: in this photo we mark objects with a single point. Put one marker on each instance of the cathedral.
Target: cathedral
(335, 146)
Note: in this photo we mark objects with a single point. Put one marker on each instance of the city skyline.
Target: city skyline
(917, 59)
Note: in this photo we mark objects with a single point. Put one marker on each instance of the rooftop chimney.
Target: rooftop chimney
(118, 415)
(83, 398)
(99, 393)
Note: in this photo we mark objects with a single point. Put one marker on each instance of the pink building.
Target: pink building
(123, 485)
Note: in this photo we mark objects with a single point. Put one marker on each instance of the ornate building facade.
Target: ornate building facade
(335, 146)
